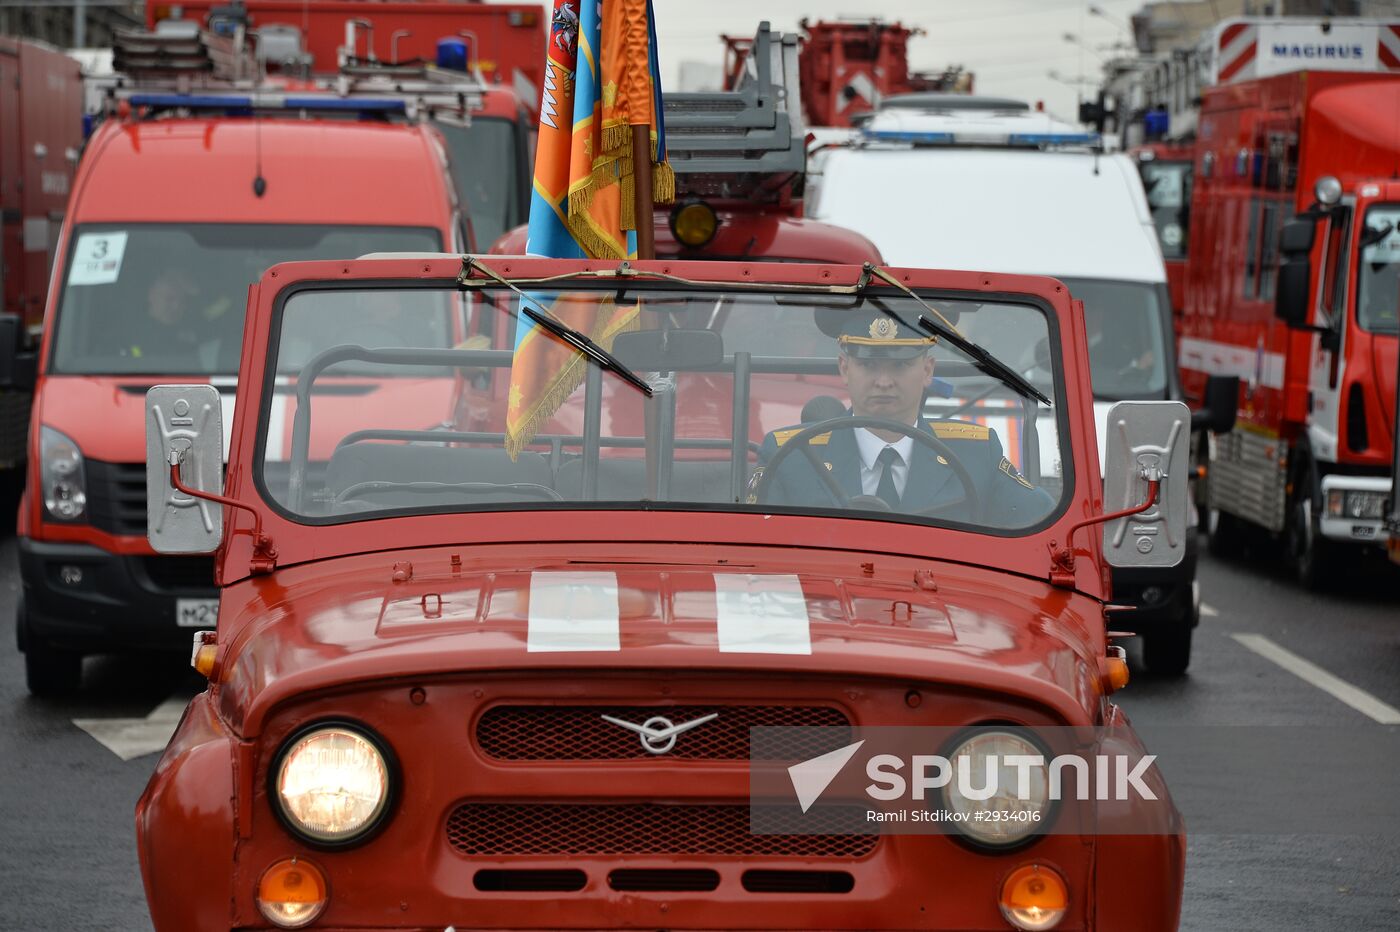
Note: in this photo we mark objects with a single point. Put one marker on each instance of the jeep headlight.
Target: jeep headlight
(62, 480)
(1017, 773)
(331, 784)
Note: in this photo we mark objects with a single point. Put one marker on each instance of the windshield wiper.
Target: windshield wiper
(980, 357)
(575, 338)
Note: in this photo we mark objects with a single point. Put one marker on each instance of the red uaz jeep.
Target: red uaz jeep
(469, 676)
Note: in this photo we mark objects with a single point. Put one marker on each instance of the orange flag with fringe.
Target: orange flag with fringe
(597, 79)
(618, 87)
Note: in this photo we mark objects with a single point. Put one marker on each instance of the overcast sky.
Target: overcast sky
(1010, 45)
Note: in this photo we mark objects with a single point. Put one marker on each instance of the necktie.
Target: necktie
(885, 462)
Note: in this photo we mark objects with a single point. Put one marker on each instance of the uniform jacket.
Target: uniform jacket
(1007, 499)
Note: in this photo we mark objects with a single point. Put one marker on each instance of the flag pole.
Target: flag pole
(641, 178)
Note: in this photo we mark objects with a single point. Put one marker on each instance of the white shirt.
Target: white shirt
(870, 448)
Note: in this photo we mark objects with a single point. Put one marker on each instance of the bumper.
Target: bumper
(1158, 595)
(1339, 527)
(82, 598)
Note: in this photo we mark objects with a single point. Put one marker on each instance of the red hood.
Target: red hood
(323, 625)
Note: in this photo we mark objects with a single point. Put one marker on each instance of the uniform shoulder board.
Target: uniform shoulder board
(1006, 467)
(956, 430)
(783, 436)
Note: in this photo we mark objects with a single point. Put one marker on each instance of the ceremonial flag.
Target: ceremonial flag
(600, 78)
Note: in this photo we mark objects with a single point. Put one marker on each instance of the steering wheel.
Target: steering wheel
(803, 440)
(472, 488)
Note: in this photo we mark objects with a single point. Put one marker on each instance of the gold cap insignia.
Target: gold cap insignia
(882, 328)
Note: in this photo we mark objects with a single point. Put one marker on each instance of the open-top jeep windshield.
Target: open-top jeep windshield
(397, 400)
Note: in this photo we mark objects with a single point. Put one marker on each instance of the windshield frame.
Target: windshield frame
(1362, 320)
(1058, 412)
(51, 362)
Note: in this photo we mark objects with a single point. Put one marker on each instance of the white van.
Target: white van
(957, 182)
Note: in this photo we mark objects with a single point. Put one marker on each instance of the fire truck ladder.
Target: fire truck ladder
(748, 143)
(187, 70)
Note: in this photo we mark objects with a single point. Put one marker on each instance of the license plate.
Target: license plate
(196, 613)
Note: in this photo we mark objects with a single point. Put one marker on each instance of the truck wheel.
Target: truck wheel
(1224, 534)
(1166, 651)
(1310, 555)
(48, 673)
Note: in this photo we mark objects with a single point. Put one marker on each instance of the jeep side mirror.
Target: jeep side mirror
(184, 425)
(1292, 296)
(1219, 406)
(17, 367)
(1147, 441)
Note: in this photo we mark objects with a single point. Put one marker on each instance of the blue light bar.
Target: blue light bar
(926, 139)
(192, 101)
(269, 102)
(1053, 139)
(360, 104)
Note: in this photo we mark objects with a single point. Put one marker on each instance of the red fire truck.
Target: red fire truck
(182, 198)
(1292, 287)
(41, 131)
(848, 67)
(501, 45)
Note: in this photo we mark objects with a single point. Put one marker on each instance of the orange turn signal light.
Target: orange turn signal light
(292, 893)
(204, 660)
(1034, 897)
(1117, 673)
(1114, 669)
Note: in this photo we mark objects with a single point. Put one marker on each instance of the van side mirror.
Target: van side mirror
(186, 421)
(18, 368)
(1293, 296)
(1219, 406)
(1147, 441)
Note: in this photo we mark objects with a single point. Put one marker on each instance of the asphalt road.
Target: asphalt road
(68, 858)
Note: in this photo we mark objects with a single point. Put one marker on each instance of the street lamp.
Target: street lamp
(1072, 39)
(1096, 10)
(1076, 82)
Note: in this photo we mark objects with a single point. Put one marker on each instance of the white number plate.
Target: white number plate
(196, 613)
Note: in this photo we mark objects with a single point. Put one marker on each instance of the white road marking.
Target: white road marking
(130, 738)
(761, 615)
(572, 611)
(1309, 672)
(1210, 611)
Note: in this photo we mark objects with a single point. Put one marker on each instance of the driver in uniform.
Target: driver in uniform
(886, 367)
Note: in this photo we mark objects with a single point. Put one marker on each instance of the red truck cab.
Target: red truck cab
(180, 202)
(1166, 178)
(438, 682)
(1292, 289)
(500, 46)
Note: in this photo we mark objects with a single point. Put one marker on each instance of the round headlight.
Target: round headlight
(694, 223)
(1328, 190)
(1018, 808)
(331, 784)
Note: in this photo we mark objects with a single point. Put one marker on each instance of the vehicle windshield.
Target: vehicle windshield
(485, 168)
(415, 428)
(1378, 278)
(158, 299)
(1168, 186)
(1125, 322)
